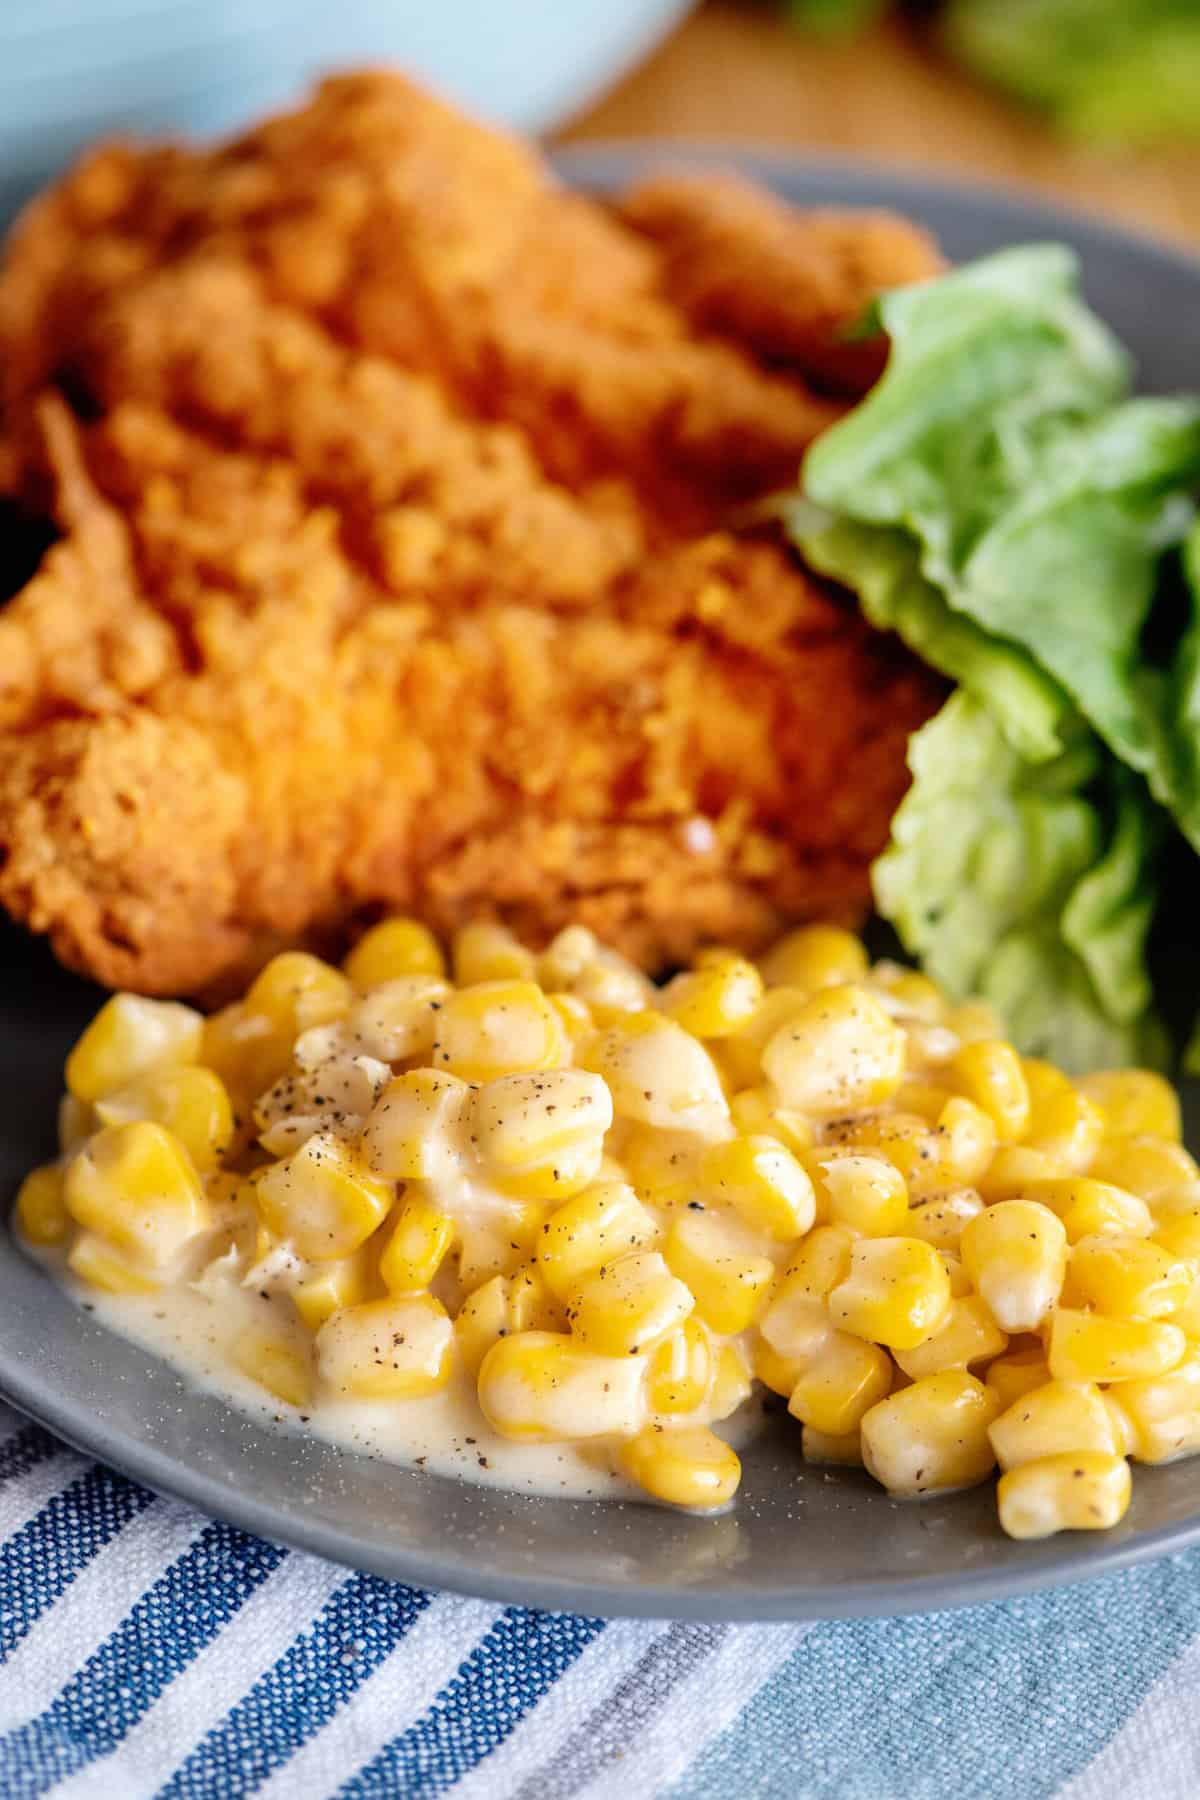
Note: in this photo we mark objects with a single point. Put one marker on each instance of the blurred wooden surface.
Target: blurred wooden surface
(736, 70)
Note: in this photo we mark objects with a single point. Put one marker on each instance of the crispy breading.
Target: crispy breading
(395, 568)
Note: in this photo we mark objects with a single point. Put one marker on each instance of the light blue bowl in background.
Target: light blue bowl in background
(75, 70)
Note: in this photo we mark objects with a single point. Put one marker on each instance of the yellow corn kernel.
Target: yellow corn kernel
(896, 1293)
(94, 1260)
(1088, 1207)
(625, 1306)
(76, 1121)
(754, 1111)
(1061, 1416)
(1017, 1373)
(612, 989)
(1135, 1102)
(575, 1016)
(1180, 1236)
(532, 1306)
(814, 956)
(297, 992)
(418, 1245)
(128, 1037)
(840, 1053)
(967, 1141)
(989, 1072)
(969, 1335)
(247, 1051)
(960, 1281)
(686, 1466)
(918, 1095)
(1164, 1415)
(1012, 1169)
(973, 1020)
(658, 1074)
(330, 1286)
(397, 1020)
(931, 1437)
(1083, 1490)
(542, 1385)
(681, 1370)
(779, 1373)
(1016, 1254)
(762, 1182)
(1063, 1122)
(489, 952)
(276, 1361)
(192, 1104)
(941, 1219)
(399, 1348)
(415, 1127)
(836, 1452)
(1086, 1346)
(723, 1265)
(498, 1028)
(907, 1142)
(840, 1383)
(866, 1194)
(1158, 1171)
(715, 1000)
(393, 948)
(41, 1208)
(1128, 1277)
(729, 1385)
(135, 1187)
(663, 1166)
(542, 1136)
(741, 1052)
(797, 1321)
(597, 1226)
(572, 951)
(322, 1200)
(1125, 1435)
(907, 993)
(483, 1318)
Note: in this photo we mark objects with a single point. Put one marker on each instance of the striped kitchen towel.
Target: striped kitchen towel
(147, 1651)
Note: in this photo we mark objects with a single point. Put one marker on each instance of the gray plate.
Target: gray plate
(801, 1543)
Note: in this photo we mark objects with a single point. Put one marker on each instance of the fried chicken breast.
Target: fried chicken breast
(402, 557)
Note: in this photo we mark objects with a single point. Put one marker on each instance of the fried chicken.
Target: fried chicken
(402, 558)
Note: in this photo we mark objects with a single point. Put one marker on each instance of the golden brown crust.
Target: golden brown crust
(394, 572)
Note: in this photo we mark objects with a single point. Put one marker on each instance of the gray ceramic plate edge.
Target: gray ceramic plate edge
(801, 1543)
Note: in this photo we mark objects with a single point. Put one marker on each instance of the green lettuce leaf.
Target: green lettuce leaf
(1031, 884)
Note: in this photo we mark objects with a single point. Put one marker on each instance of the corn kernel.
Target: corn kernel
(542, 1385)
(1017, 1373)
(941, 1219)
(576, 1018)
(681, 1370)
(967, 1141)
(839, 1053)
(41, 1208)
(76, 1121)
(330, 1286)
(896, 1293)
(393, 949)
(276, 1362)
(415, 1129)
(1128, 1277)
(715, 1000)
(960, 1281)
(394, 1349)
(815, 956)
(1012, 1169)
(906, 993)
(597, 1226)
(1164, 1414)
(398, 1020)
(729, 1385)
(1063, 1122)
(1080, 1491)
(1180, 1236)
(741, 1052)
(658, 1074)
(418, 1245)
(483, 1318)
(498, 1028)
(94, 1260)
(1016, 1254)
(754, 1111)
(1135, 1102)
(1061, 1416)
(612, 988)
(779, 1373)
(322, 1200)
(722, 1264)
(763, 1183)
(1125, 1436)
(931, 1437)
(1158, 1171)
(134, 1186)
(247, 1050)
(989, 1072)
(191, 1103)
(663, 1166)
(489, 952)
(968, 1335)
(1088, 1207)
(542, 1136)
(914, 1148)
(566, 957)
(917, 1094)
(128, 1037)
(840, 1383)
(797, 1322)
(297, 991)
(866, 1194)
(688, 1466)
(973, 1020)
(1088, 1347)
(625, 1306)
(835, 1452)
